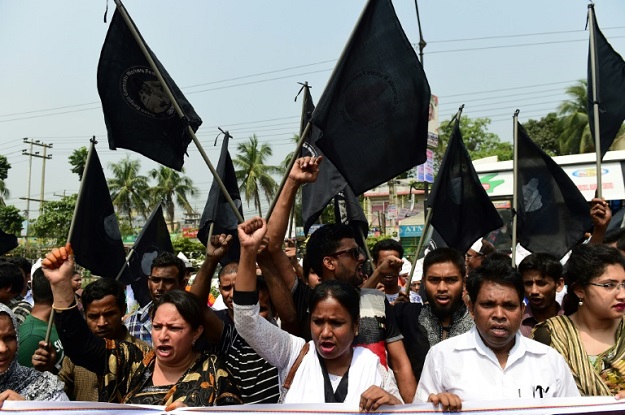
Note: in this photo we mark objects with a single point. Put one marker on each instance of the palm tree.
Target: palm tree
(287, 160)
(77, 160)
(128, 188)
(253, 173)
(172, 188)
(575, 137)
(4, 173)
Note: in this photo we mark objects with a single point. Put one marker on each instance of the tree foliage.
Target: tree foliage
(4, 167)
(77, 160)
(192, 248)
(4, 173)
(575, 137)
(253, 174)
(11, 220)
(479, 141)
(55, 220)
(171, 188)
(129, 189)
(546, 133)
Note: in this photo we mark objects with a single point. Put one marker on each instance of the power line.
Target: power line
(330, 61)
(515, 46)
(260, 74)
(509, 89)
(518, 35)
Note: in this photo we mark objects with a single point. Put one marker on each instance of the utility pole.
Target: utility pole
(30, 155)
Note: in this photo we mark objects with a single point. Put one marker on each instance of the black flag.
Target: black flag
(610, 89)
(95, 235)
(8, 242)
(461, 210)
(553, 214)
(153, 239)
(373, 114)
(217, 209)
(139, 116)
(347, 210)
(317, 195)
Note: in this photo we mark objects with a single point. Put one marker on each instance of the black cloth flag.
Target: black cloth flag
(8, 241)
(373, 114)
(347, 210)
(461, 210)
(317, 195)
(553, 215)
(610, 89)
(217, 209)
(153, 239)
(95, 235)
(139, 116)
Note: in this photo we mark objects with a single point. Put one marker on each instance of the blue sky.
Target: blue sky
(238, 62)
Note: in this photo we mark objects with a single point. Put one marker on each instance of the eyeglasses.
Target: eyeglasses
(609, 286)
(164, 280)
(477, 255)
(354, 252)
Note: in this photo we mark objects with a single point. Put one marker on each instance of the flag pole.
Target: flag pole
(515, 178)
(305, 87)
(364, 244)
(211, 229)
(428, 218)
(71, 229)
(179, 111)
(128, 257)
(595, 105)
(426, 228)
(298, 148)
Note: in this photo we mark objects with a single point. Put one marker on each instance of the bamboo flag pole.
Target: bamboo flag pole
(367, 252)
(515, 178)
(305, 87)
(71, 228)
(179, 111)
(595, 105)
(296, 152)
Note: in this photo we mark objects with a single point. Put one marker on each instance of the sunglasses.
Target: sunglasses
(164, 280)
(354, 252)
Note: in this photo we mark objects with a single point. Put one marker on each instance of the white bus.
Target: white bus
(496, 177)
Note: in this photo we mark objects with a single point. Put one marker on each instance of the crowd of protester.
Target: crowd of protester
(463, 326)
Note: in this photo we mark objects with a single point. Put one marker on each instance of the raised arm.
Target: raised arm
(80, 344)
(601, 215)
(270, 342)
(305, 170)
(391, 265)
(215, 250)
(280, 295)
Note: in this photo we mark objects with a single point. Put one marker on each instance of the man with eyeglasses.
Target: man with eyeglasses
(167, 274)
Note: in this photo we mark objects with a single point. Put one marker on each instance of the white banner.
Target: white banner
(587, 405)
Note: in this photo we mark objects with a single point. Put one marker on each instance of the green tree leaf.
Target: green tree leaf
(77, 160)
(171, 189)
(11, 220)
(253, 174)
(55, 220)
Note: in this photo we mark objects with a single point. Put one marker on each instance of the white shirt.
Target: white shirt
(465, 366)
